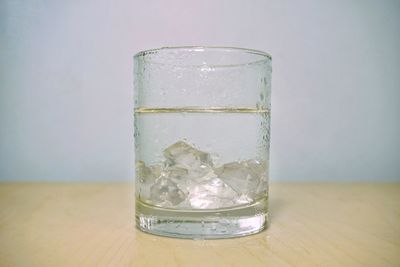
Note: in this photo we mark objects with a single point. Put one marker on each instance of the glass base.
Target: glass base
(203, 224)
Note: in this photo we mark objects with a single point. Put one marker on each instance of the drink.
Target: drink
(193, 173)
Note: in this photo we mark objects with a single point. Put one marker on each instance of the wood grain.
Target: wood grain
(93, 225)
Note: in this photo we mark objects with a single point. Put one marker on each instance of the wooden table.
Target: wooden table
(57, 224)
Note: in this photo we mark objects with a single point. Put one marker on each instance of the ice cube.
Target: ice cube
(244, 177)
(165, 193)
(185, 156)
(146, 177)
(258, 168)
(261, 170)
(140, 170)
(186, 181)
(175, 173)
(211, 194)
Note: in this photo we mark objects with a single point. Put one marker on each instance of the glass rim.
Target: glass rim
(265, 57)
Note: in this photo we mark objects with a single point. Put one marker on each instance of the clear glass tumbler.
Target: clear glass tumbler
(202, 131)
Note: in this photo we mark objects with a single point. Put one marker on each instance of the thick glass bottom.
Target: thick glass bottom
(203, 224)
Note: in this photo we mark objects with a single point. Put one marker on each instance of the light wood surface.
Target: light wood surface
(93, 225)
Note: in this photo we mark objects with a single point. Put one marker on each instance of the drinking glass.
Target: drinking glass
(202, 134)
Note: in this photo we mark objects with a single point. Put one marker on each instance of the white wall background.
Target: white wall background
(66, 82)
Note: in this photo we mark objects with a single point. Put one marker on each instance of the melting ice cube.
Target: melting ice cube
(244, 177)
(211, 194)
(183, 155)
(165, 193)
(146, 175)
